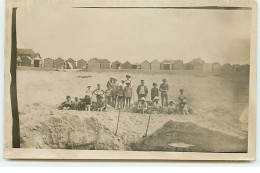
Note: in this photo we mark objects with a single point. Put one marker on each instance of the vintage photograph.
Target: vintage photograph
(131, 79)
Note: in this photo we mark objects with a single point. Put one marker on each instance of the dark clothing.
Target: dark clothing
(87, 101)
(154, 93)
(138, 92)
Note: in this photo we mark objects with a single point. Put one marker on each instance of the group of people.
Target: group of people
(119, 95)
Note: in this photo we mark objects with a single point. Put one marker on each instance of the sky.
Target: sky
(136, 34)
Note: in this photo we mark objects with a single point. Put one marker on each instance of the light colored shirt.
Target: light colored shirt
(142, 91)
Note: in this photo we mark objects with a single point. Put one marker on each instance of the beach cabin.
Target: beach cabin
(70, 63)
(207, 67)
(59, 63)
(177, 64)
(245, 68)
(93, 64)
(197, 64)
(227, 68)
(166, 65)
(81, 64)
(155, 65)
(236, 68)
(37, 61)
(145, 65)
(26, 56)
(115, 64)
(136, 66)
(48, 63)
(188, 66)
(126, 65)
(216, 67)
(104, 63)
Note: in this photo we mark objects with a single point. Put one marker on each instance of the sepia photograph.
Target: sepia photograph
(142, 79)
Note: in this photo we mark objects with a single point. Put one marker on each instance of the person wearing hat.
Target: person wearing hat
(171, 107)
(109, 83)
(164, 88)
(157, 107)
(89, 91)
(88, 102)
(128, 79)
(120, 97)
(114, 88)
(67, 104)
(154, 91)
(142, 105)
(128, 94)
(98, 92)
(141, 90)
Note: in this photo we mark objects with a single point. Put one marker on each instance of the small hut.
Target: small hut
(207, 67)
(48, 63)
(81, 64)
(197, 64)
(236, 68)
(136, 66)
(115, 64)
(26, 61)
(155, 65)
(216, 67)
(145, 65)
(166, 65)
(59, 63)
(104, 63)
(188, 66)
(227, 68)
(37, 61)
(177, 65)
(126, 65)
(70, 63)
(93, 64)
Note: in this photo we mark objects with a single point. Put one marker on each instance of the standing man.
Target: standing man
(142, 90)
(164, 88)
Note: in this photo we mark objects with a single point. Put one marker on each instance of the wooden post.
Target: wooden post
(13, 87)
(148, 124)
(118, 121)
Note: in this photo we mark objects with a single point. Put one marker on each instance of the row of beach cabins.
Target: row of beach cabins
(26, 57)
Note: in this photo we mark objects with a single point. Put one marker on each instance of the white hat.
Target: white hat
(156, 98)
(142, 99)
(127, 82)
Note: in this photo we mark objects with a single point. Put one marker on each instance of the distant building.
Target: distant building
(19, 61)
(207, 67)
(136, 66)
(48, 63)
(145, 65)
(72, 62)
(59, 63)
(93, 64)
(96, 63)
(236, 68)
(172, 65)
(104, 63)
(81, 64)
(216, 67)
(197, 64)
(188, 66)
(115, 64)
(245, 68)
(37, 60)
(155, 65)
(26, 56)
(126, 65)
(227, 68)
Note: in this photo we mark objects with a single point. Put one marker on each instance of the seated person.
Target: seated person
(76, 104)
(156, 106)
(66, 105)
(171, 107)
(184, 107)
(142, 105)
(87, 102)
(100, 104)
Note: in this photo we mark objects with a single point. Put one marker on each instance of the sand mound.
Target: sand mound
(186, 136)
(70, 133)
